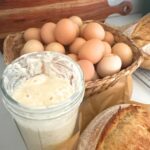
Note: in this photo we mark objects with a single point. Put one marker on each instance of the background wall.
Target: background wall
(140, 7)
(145, 6)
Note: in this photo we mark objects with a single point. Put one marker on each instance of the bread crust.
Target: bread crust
(141, 33)
(128, 129)
(89, 138)
(121, 127)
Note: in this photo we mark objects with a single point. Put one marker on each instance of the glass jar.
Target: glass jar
(43, 128)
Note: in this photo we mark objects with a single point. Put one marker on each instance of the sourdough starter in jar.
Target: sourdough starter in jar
(43, 92)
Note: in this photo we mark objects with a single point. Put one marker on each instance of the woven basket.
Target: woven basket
(14, 42)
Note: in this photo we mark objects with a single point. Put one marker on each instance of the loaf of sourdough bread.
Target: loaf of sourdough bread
(121, 127)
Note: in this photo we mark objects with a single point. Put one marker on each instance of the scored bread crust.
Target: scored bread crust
(141, 33)
(89, 138)
(128, 129)
(121, 127)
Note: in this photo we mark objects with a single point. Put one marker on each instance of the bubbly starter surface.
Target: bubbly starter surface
(43, 91)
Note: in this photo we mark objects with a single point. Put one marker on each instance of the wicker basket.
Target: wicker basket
(14, 42)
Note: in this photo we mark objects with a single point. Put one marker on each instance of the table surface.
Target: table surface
(10, 138)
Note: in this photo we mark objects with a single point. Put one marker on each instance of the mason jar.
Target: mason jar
(43, 128)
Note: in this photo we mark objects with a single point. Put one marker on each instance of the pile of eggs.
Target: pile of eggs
(93, 48)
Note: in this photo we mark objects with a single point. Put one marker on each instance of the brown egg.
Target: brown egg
(55, 46)
(109, 38)
(93, 30)
(73, 56)
(32, 34)
(92, 50)
(77, 30)
(77, 20)
(82, 29)
(107, 48)
(109, 65)
(124, 52)
(95, 77)
(32, 46)
(65, 31)
(47, 32)
(76, 45)
(87, 68)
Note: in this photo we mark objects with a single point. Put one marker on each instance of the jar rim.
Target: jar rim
(42, 110)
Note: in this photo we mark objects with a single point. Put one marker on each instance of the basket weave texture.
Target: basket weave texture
(14, 43)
